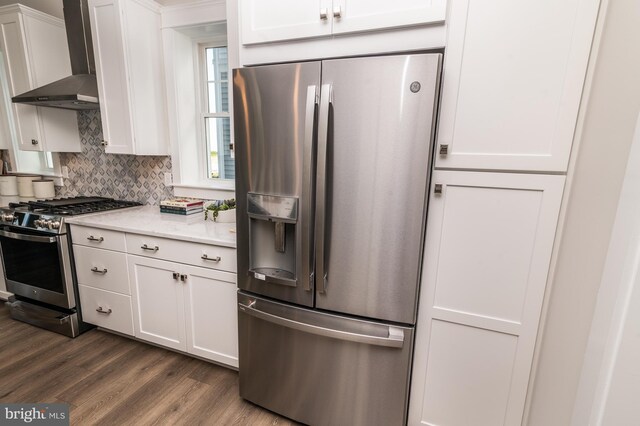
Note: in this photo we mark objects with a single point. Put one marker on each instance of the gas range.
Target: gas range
(36, 253)
(48, 215)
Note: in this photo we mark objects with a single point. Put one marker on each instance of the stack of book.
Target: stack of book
(182, 206)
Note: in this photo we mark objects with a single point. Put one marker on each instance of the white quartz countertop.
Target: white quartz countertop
(147, 220)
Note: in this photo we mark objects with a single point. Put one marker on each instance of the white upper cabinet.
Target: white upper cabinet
(366, 15)
(512, 83)
(272, 20)
(129, 68)
(34, 50)
(275, 20)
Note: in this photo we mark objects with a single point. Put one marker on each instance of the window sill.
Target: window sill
(211, 191)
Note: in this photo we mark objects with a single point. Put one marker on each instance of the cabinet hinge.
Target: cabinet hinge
(444, 149)
(437, 188)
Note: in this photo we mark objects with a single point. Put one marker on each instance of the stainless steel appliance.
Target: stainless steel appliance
(333, 161)
(80, 90)
(37, 261)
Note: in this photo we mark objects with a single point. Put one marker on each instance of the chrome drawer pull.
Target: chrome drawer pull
(102, 311)
(92, 238)
(98, 271)
(213, 259)
(146, 247)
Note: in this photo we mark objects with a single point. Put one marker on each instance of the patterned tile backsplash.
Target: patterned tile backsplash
(127, 177)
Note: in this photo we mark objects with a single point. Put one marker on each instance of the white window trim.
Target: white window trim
(174, 38)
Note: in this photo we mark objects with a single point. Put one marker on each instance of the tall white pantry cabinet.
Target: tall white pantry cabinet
(512, 85)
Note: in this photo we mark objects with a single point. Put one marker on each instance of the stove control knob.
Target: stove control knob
(7, 217)
(51, 224)
(37, 223)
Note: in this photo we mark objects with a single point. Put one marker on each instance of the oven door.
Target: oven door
(38, 267)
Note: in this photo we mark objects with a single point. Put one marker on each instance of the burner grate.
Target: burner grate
(75, 206)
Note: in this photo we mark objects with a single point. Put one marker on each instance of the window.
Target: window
(216, 122)
(200, 100)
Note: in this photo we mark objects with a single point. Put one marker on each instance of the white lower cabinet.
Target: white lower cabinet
(106, 309)
(158, 302)
(211, 314)
(177, 294)
(488, 247)
(185, 307)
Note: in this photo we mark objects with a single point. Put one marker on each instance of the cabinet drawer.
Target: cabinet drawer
(205, 255)
(103, 269)
(98, 238)
(106, 309)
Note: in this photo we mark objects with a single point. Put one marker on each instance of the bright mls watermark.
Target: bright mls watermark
(34, 414)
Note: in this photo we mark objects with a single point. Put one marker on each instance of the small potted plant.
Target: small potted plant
(221, 211)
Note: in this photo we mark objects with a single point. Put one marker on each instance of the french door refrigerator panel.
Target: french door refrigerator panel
(322, 369)
(274, 115)
(375, 131)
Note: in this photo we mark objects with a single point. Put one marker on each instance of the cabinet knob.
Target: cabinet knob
(99, 271)
(324, 13)
(102, 311)
(97, 240)
(146, 247)
(183, 277)
(34, 142)
(337, 12)
(176, 275)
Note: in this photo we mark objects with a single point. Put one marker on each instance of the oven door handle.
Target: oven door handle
(25, 237)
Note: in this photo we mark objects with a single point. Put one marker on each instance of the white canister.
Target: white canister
(25, 185)
(5, 200)
(8, 185)
(44, 189)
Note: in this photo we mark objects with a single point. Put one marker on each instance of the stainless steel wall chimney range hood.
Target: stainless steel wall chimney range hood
(80, 90)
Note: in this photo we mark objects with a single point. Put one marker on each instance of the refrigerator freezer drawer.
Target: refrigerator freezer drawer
(322, 369)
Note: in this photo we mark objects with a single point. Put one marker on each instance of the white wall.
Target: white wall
(610, 381)
(605, 134)
(52, 7)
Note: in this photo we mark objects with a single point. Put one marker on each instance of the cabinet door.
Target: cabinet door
(488, 247)
(271, 20)
(211, 314)
(18, 75)
(512, 83)
(111, 73)
(145, 66)
(158, 301)
(366, 15)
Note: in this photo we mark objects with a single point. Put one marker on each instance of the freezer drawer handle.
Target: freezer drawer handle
(394, 340)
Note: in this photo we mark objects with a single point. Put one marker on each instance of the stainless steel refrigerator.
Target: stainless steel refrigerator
(333, 160)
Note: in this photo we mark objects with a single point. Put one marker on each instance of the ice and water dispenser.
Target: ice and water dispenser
(272, 237)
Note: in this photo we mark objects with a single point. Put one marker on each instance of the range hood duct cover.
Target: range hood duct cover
(80, 90)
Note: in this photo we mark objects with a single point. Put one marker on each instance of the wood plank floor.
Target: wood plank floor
(111, 380)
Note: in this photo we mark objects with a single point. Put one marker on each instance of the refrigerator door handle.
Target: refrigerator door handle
(326, 98)
(395, 339)
(307, 230)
